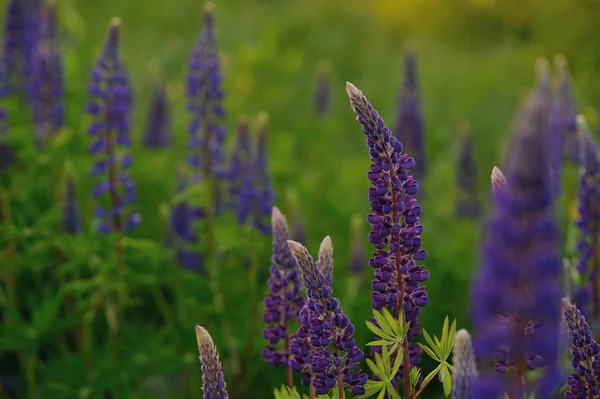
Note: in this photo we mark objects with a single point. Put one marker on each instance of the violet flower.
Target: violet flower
(394, 219)
(464, 375)
(241, 176)
(110, 108)
(46, 79)
(467, 203)
(158, 130)
(214, 386)
(71, 220)
(517, 291)
(205, 98)
(585, 351)
(324, 328)
(409, 120)
(284, 300)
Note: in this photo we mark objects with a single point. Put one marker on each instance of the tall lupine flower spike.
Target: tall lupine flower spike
(467, 203)
(588, 221)
(284, 300)
(214, 386)
(324, 327)
(46, 79)
(517, 292)
(464, 375)
(395, 228)
(241, 176)
(585, 352)
(322, 88)
(358, 253)
(498, 180)
(110, 108)
(409, 120)
(265, 194)
(205, 98)
(71, 220)
(158, 124)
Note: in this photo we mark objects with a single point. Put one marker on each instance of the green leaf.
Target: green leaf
(393, 323)
(429, 340)
(397, 362)
(392, 391)
(446, 381)
(371, 388)
(379, 373)
(431, 375)
(382, 323)
(430, 352)
(377, 331)
(381, 342)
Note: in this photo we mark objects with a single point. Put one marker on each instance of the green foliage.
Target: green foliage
(286, 393)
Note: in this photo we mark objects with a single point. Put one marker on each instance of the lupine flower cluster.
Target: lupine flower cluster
(46, 81)
(409, 120)
(110, 108)
(517, 290)
(394, 219)
(585, 351)
(214, 384)
(284, 301)
(464, 375)
(323, 326)
(158, 130)
(467, 204)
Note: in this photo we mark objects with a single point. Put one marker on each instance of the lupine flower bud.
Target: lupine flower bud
(585, 352)
(158, 129)
(467, 204)
(322, 89)
(326, 259)
(409, 121)
(498, 180)
(517, 290)
(110, 108)
(205, 101)
(46, 79)
(358, 253)
(323, 347)
(284, 301)
(394, 219)
(214, 382)
(464, 375)
(71, 221)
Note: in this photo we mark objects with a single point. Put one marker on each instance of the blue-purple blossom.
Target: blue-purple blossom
(205, 102)
(265, 195)
(467, 203)
(323, 347)
(110, 110)
(241, 176)
(158, 129)
(71, 220)
(214, 386)
(409, 120)
(588, 222)
(394, 219)
(284, 300)
(584, 383)
(464, 374)
(322, 89)
(46, 79)
(517, 291)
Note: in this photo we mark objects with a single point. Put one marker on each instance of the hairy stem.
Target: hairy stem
(313, 392)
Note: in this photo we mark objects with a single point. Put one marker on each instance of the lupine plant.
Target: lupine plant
(158, 125)
(467, 203)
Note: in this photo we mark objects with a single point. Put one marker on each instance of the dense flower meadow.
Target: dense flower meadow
(534, 313)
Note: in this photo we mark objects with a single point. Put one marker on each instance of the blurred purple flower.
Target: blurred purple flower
(46, 79)
(409, 120)
(241, 176)
(517, 291)
(467, 203)
(71, 220)
(265, 195)
(498, 180)
(110, 108)
(464, 375)
(565, 111)
(158, 130)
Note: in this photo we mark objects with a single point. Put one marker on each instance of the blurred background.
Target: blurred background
(475, 63)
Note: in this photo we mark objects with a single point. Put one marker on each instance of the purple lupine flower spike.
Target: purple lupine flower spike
(585, 351)
(409, 120)
(110, 108)
(588, 222)
(205, 98)
(214, 386)
(158, 125)
(467, 203)
(517, 291)
(394, 219)
(284, 300)
(323, 347)
(464, 375)
(322, 88)
(265, 193)
(71, 220)
(46, 79)
(241, 176)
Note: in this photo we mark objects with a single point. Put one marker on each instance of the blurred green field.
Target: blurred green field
(469, 70)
